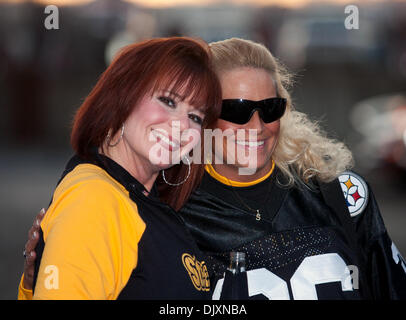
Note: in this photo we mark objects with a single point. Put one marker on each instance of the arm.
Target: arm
(90, 237)
(387, 269)
(25, 286)
(385, 266)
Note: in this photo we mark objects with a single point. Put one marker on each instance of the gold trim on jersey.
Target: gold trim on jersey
(210, 170)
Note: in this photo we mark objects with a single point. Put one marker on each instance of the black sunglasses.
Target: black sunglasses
(240, 111)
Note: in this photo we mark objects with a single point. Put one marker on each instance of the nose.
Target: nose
(185, 122)
(182, 122)
(255, 122)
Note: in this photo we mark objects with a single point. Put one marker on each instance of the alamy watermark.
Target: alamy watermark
(52, 20)
(51, 281)
(352, 20)
(353, 276)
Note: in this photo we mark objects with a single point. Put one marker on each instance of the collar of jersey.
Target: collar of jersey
(210, 170)
(121, 175)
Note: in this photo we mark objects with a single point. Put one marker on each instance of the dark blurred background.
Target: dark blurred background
(353, 81)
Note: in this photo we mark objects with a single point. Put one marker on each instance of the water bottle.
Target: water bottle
(235, 285)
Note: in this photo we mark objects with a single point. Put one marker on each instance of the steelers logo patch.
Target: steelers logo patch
(355, 192)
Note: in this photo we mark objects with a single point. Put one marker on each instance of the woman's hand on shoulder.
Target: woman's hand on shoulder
(29, 251)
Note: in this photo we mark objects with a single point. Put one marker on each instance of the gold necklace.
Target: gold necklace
(257, 212)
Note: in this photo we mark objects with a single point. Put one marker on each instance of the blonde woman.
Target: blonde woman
(304, 237)
(310, 228)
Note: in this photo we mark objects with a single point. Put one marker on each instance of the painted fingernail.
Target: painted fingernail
(34, 234)
(42, 211)
(37, 222)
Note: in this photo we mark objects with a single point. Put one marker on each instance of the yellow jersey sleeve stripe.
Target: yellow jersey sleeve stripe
(91, 233)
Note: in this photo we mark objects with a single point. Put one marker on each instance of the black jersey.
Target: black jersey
(297, 248)
(105, 239)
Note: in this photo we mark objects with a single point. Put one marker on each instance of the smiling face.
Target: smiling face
(250, 84)
(162, 129)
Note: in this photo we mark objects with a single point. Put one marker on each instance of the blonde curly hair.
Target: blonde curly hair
(303, 150)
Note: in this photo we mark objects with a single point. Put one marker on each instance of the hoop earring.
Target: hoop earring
(179, 183)
(119, 139)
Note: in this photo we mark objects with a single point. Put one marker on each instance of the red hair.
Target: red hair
(180, 64)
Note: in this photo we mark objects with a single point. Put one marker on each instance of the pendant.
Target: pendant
(258, 216)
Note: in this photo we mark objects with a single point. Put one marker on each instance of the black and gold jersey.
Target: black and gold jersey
(296, 247)
(103, 238)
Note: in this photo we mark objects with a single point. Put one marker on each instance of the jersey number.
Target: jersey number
(313, 270)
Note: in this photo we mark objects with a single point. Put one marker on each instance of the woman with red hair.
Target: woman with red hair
(106, 234)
